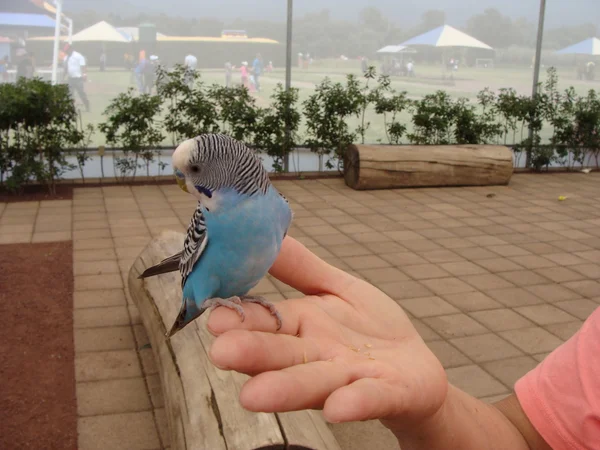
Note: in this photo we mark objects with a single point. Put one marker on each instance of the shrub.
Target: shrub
(133, 126)
(190, 110)
(326, 112)
(276, 130)
(38, 126)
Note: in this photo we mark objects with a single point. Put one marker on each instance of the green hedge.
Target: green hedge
(39, 123)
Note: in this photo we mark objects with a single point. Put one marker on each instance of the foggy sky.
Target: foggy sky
(404, 12)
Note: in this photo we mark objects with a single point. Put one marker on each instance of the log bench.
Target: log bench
(404, 166)
(201, 401)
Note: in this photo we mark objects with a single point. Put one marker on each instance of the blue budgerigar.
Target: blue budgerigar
(236, 231)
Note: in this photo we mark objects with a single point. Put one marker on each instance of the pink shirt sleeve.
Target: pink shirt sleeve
(561, 396)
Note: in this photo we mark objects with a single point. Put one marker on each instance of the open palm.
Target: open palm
(346, 348)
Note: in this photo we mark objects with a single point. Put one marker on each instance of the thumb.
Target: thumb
(301, 269)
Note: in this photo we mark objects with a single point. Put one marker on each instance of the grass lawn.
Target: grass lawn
(103, 86)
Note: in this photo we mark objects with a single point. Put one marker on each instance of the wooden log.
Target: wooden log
(403, 166)
(201, 401)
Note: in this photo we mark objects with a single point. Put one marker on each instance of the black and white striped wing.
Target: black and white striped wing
(194, 244)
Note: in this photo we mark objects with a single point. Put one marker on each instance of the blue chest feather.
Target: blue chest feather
(244, 238)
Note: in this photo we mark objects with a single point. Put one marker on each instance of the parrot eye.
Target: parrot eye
(195, 169)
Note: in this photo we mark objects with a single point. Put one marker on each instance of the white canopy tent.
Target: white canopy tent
(134, 33)
(446, 36)
(590, 46)
(101, 32)
(396, 49)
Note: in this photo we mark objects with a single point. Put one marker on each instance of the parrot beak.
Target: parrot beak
(182, 185)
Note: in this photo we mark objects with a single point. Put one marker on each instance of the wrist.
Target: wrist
(462, 422)
(423, 430)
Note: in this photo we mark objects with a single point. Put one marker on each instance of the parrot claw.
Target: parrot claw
(234, 303)
(264, 302)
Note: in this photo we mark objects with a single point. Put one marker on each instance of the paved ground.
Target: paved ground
(493, 278)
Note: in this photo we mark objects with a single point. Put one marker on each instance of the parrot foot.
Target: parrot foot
(264, 302)
(234, 303)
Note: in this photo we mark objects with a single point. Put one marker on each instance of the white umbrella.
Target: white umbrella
(446, 36)
(101, 32)
(590, 46)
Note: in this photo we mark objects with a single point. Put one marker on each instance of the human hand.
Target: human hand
(346, 348)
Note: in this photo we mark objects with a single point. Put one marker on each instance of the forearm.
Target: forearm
(466, 423)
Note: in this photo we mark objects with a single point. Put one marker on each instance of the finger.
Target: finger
(365, 399)
(258, 318)
(304, 386)
(254, 352)
(301, 269)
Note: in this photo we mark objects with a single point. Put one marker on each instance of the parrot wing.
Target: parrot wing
(193, 246)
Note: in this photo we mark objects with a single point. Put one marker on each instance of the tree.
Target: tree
(375, 27)
(561, 37)
(493, 28)
(372, 18)
(432, 19)
(525, 32)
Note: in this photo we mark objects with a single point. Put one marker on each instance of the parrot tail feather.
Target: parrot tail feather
(170, 264)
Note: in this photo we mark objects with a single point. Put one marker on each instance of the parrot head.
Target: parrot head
(210, 162)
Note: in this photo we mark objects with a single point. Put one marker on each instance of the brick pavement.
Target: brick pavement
(493, 278)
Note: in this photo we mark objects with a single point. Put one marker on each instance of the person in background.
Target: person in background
(244, 73)
(228, 73)
(410, 68)
(251, 83)
(257, 69)
(76, 74)
(102, 61)
(33, 65)
(150, 74)
(191, 63)
(591, 70)
(25, 68)
(139, 71)
(269, 68)
(364, 66)
(4, 63)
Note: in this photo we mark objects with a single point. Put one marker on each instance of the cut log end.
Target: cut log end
(405, 166)
(352, 166)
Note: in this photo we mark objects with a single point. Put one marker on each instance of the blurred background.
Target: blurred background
(461, 47)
